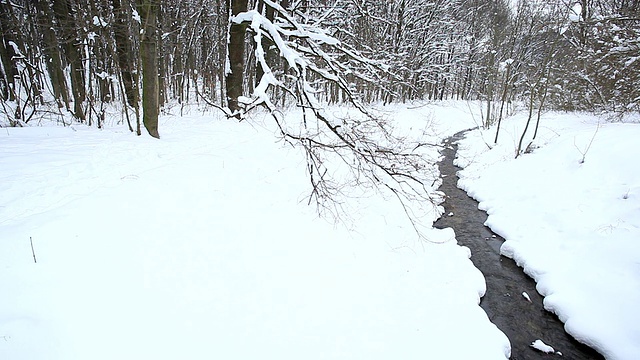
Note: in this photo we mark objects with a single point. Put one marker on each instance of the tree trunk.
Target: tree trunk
(64, 11)
(270, 54)
(53, 55)
(8, 49)
(235, 73)
(526, 127)
(503, 99)
(160, 57)
(149, 60)
(124, 49)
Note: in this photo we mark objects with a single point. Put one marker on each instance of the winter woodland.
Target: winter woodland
(244, 179)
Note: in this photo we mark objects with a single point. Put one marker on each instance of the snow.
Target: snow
(16, 50)
(201, 245)
(541, 346)
(92, 36)
(136, 16)
(98, 21)
(259, 22)
(570, 214)
(502, 67)
(575, 13)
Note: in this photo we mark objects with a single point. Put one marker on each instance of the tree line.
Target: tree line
(77, 56)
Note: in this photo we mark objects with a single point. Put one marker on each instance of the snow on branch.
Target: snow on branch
(300, 45)
(363, 145)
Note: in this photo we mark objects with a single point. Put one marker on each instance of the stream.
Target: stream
(522, 321)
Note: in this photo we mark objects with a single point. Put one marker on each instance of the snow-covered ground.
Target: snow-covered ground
(570, 214)
(200, 245)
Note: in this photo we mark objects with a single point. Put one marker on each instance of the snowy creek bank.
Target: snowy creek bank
(511, 300)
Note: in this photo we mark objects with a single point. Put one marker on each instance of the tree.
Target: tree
(65, 14)
(124, 47)
(10, 52)
(51, 49)
(126, 58)
(149, 60)
(235, 72)
(599, 66)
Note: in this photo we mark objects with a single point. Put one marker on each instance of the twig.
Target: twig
(584, 153)
(226, 111)
(32, 251)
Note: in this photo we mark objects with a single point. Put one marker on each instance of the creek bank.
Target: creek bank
(522, 320)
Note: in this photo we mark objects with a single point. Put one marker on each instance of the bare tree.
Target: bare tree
(65, 14)
(149, 59)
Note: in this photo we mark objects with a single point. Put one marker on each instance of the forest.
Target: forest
(73, 57)
(473, 166)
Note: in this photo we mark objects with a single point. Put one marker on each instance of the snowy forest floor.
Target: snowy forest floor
(201, 244)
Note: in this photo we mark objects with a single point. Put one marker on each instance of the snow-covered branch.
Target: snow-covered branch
(372, 156)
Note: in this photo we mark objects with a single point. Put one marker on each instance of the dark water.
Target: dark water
(522, 321)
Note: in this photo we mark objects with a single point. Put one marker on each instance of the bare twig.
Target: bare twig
(584, 153)
(33, 251)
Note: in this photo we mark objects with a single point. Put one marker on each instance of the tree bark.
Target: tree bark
(124, 49)
(8, 49)
(149, 60)
(270, 54)
(64, 11)
(235, 73)
(52, 53)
